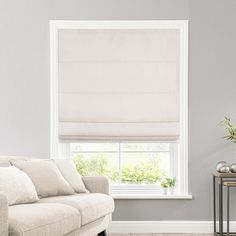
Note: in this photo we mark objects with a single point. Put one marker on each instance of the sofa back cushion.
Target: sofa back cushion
(46, 177)
(17, 186)
(70, 173)
(5, 160)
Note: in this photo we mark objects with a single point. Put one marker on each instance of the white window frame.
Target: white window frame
(61, 151)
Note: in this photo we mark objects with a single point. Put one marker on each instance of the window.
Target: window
(127, 165)
(119, 100)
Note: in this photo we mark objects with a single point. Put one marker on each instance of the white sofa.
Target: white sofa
(85, 214)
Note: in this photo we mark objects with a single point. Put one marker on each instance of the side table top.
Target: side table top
(224, 175)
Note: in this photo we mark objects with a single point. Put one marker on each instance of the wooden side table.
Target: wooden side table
(220, 180)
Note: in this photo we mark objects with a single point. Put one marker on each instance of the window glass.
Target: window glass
(95, 164)
(144, 147)
(94, 147)
(144, 168)
(124, 163)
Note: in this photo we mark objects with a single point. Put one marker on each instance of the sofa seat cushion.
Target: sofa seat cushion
(42, 219)
(91, 206)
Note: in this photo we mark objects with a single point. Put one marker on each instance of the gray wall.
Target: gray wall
(25, 85)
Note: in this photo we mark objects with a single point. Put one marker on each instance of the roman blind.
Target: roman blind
(119, 84)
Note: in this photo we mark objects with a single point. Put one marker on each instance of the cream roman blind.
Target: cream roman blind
(119, 84)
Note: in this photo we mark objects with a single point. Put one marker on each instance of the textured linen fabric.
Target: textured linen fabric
(5, 160)
(42, 220)
(71, 175)
(46, 177)
(151, 56)
(3, 215)
(96, 184)
(93, 228)
(17, 186)
(91, 206)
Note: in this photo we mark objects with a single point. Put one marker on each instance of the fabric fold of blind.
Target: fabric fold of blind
(118, 84)
(71, 132)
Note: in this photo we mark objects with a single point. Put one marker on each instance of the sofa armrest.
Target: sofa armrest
(96, 184)
(3, 215)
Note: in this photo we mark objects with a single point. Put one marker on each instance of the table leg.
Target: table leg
(220, 207)
(214, 202)
(228, 193)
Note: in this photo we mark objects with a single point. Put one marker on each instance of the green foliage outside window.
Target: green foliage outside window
(141, 172)
(95, 166)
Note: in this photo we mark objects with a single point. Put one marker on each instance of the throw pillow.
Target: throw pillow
(70, 173)
(17, 186)
(46, 177)
(5, 160)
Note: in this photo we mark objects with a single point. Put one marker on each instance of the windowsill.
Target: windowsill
(152, 196)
